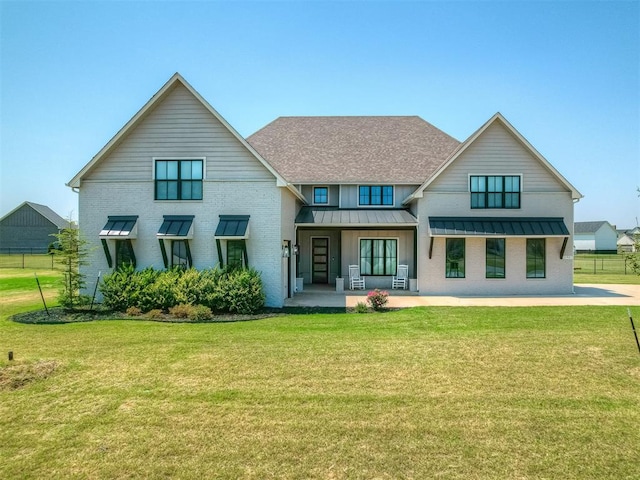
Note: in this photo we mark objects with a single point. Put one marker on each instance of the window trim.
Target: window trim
(385, 274)
(313, 193)
(486, 193)
(187, 251)
(177, 159)
(446, 257)
(129, 248)
(544, 259)
(242, 245)
(504, 258)
(377, 205)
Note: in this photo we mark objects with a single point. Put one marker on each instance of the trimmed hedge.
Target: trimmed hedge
(221, 290)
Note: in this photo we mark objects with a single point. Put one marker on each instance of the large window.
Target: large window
(320, 195)
(495, 191)
(378, 256)
(375, 195)
(455, 258)
(178, 179)
(536, 258)
(495, 256)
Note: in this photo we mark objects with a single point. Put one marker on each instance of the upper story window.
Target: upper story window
(375, 195)
(178, 179)
(320, 195)
(496, 191)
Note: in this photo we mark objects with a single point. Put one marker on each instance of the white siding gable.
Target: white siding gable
(179, 126)
(497, 152)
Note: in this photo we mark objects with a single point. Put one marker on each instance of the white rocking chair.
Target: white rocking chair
(355, 280)
(401, 278)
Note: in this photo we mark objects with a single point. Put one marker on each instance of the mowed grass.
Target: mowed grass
(420, 393)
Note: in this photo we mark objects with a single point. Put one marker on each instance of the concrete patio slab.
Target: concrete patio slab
(584, 294)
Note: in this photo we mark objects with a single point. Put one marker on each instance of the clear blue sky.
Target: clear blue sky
(565, 74)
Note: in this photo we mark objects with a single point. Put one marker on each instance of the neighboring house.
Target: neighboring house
(28, 228)
(627, 240)
(595, 237)
(309, 196)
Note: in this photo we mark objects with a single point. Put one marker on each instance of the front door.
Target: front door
(320, 260)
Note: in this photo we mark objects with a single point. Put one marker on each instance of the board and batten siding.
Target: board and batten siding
(349, 195)
(497, 152)
(179, 127)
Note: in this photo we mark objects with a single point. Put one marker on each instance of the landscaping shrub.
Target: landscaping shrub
(361, 307)
(134, 312)
(200, 313)
(377, 298)
(154, 314)
(181, 310)
(218, 290)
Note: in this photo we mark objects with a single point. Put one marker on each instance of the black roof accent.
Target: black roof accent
(498, 226)
(232, 226)
(176, 225)
(344, 217)
(119, 225)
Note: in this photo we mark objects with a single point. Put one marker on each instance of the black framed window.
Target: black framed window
(498, 191)
(455, 257)
(180, 254)
(378, 256)
(124, 253)
(375, 195)
(536, 258)
(495, 258)
(178, 179)
(235, 253)
(320, 195)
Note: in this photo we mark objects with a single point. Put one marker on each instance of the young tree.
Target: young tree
(72, 252)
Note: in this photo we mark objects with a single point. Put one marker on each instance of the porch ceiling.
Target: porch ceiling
(497, 227)
(344, 217)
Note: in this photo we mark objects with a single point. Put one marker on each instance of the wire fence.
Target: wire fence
(38, 261)
(619, 264)
(588, 264)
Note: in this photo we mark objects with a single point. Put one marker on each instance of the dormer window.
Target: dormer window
(495, 191)
(375, 195)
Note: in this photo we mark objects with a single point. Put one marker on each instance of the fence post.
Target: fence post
(23, 261)
(594, 266)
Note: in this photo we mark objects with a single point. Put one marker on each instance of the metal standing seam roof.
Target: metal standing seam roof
(336, 217)
(121, 226)
(233, 226)
(176, 226)
(496, 226)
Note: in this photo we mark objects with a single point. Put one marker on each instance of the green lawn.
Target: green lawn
(464, 393)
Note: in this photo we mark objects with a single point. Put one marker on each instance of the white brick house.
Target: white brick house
(308, 196)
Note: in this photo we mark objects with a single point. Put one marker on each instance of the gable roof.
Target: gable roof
(590, 227)
(146, 109)
(44, 211)
(401, 149)
(497, 118)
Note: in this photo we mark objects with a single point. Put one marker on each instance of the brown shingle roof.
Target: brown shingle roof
(353, 149)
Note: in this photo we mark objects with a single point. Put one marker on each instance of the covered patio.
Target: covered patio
(330, 239)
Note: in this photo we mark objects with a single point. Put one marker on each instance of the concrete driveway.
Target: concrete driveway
(585, 294)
